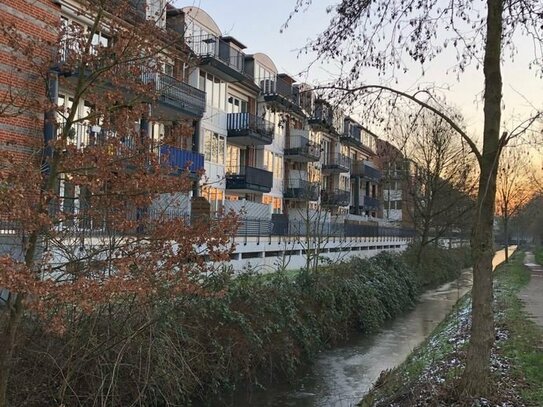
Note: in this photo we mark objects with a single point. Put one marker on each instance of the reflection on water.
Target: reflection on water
(341, 376)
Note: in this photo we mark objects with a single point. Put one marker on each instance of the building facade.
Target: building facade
(269, 147)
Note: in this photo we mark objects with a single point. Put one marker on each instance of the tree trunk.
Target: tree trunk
(476, 377)
(506, 231)
(7, 343)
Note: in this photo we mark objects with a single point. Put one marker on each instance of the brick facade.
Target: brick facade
(22, 79)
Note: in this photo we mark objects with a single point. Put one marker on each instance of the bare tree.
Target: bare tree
(93, 206)
(383, 35)
(442, 181)
(515, 188)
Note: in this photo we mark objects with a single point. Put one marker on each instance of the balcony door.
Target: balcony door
(237, 105)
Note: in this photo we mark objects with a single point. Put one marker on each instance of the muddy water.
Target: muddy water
(341, 376)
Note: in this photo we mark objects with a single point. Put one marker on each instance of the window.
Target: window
(215, 198)
(168, 70)
(99, 39)
(233, 163)
(236, 105)
(276, 203)
(214, 88)
(214, 147)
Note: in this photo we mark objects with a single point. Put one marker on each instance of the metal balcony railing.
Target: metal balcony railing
(352, 135)
(335, 197)
(209, 45)
(322, 115)
(179, 94)
(359, 168)
(301, 189)
(371, 204)
(84, 135)
(181, 160)
(250, 178)
(275, 85)
(302, 147)
(337, 162)
(239, 122)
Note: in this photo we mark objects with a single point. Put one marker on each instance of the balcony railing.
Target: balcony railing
(249, 129)
(299, 189)
(335, 197)
(177, 94)
(359, 168)
(211, 46)
(250, 179)
(336, 163)
(352, 135)
(322, 115)
(371, 204)
(302, 149)
(83, 135)
(275, 85)
(181, 160)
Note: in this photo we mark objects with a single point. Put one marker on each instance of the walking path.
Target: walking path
(532, 294)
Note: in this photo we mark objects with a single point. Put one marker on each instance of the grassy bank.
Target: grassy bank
(429, 374)
(241, 330)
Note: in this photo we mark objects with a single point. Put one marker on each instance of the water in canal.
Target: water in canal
(341, 376)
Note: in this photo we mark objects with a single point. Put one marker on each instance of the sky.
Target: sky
(257, 24)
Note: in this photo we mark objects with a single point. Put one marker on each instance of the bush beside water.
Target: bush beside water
(249, 329)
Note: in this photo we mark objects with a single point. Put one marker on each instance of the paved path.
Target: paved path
(532, 294)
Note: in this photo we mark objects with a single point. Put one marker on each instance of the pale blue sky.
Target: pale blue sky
(257, 23)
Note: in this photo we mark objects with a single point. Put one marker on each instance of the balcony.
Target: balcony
(301, 149)
(177, 95)
(361, 169)
(182, 160)
(371, 204)
(336, 163)
(83, 135)
(335, 197)
(219, 57)
(246, 129)
(322, 117)
(367, 203)
(301, 190)
(249, 180)
(278, 90)
(352, 136)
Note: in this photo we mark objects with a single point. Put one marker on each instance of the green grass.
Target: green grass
(524, 346)
(434, 349)
(538, 255)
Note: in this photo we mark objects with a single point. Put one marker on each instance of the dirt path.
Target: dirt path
(532, 294)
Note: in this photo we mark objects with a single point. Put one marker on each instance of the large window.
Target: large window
(276, 203)
(274, 163)
(215, 198)
(214, 147)
(236, 105)
(233, 162)
(214, 88)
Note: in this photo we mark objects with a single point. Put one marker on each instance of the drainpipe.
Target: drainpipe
(357, 195)
(196, 149)
(49, 126)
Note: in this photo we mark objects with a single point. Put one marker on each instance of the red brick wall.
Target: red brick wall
(22, 77)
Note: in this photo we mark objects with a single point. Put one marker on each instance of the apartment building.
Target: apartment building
(270, 146)
(396, 192)
(271, 149)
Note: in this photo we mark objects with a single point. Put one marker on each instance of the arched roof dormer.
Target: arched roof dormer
(266, 62)
(203, 19)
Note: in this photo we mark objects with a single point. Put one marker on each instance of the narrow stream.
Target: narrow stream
(341, 376)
